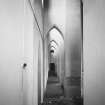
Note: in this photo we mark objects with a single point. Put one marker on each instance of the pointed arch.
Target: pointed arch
(54, 27)
(54, 42)
(52, 47)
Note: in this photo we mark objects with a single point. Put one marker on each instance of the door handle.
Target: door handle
(24, 65)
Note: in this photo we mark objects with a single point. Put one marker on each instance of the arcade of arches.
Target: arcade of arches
(52, 52)
(62, 46)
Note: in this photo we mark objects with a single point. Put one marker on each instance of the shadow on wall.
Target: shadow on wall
(76, 59)
(46, 5)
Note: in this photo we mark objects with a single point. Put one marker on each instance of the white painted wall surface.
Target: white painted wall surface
(73, 38)
(28, 26)
(11, 51)
(94, 52)
(19, 41)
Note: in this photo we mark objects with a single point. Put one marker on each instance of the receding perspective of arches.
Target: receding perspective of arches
(63, 72)
(46, 58)
(55, 76)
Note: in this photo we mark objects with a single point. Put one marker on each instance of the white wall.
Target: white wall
(94, 52)
(61, 64)
(73, 38)
(11, 51)
(38, 51)
(19, 41)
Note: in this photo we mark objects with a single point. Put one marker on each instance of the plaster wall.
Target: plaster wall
(19, 41)
(94, 52)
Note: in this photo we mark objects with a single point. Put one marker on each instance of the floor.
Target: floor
(55, 94)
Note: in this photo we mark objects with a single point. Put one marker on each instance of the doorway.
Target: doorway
(64, 42)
